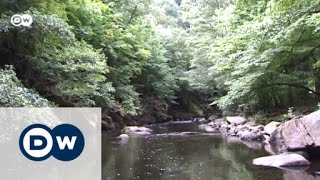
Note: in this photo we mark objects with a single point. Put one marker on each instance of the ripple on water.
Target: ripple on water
(188, 157)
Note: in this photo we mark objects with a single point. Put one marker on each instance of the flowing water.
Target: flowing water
(170, 155)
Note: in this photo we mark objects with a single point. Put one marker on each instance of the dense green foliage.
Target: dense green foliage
(13, 94)
(89, 53)
(122, 55)
(262, 54)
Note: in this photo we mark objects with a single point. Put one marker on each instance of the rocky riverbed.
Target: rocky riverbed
(292, 143)
(183, 149)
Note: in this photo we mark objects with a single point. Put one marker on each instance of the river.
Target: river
(168, 154)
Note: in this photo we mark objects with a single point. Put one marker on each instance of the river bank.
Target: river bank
(182, 150)
(294, 143)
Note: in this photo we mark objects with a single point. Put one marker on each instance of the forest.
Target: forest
(148, 61)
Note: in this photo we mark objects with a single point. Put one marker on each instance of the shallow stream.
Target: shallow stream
(179, 151)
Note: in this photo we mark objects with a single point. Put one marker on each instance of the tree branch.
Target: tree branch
(132, 15)
(313, 12)
(293, 85)
(299, 39)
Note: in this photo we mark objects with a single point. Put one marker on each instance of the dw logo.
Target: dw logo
(21, 20)
(38, 142)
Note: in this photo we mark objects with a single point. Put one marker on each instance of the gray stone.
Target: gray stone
(298, 134)
(232, 130)
(282, 160)
(210, 129)
(217, 122)
(252, 135)
(271, 127)
(266, 139)
(242, 128)
(236, 120)
(123, 137)
(257, 128)
(137, 130)
(269, 149)
(213, 124)
(224, 127)
(251, 123)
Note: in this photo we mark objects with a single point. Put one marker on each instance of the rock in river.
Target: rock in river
(282, 160)
(137, 130)
(236, 120)
(271, 127)
(252, 135)
(299, 134)
(123, 137)
(212, 127)
(209, 129)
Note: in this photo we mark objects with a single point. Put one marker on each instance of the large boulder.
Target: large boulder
(235, 120)
(298, 134)
(282, 160)
(271, 127)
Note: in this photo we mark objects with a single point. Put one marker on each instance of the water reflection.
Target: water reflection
(189, 157)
